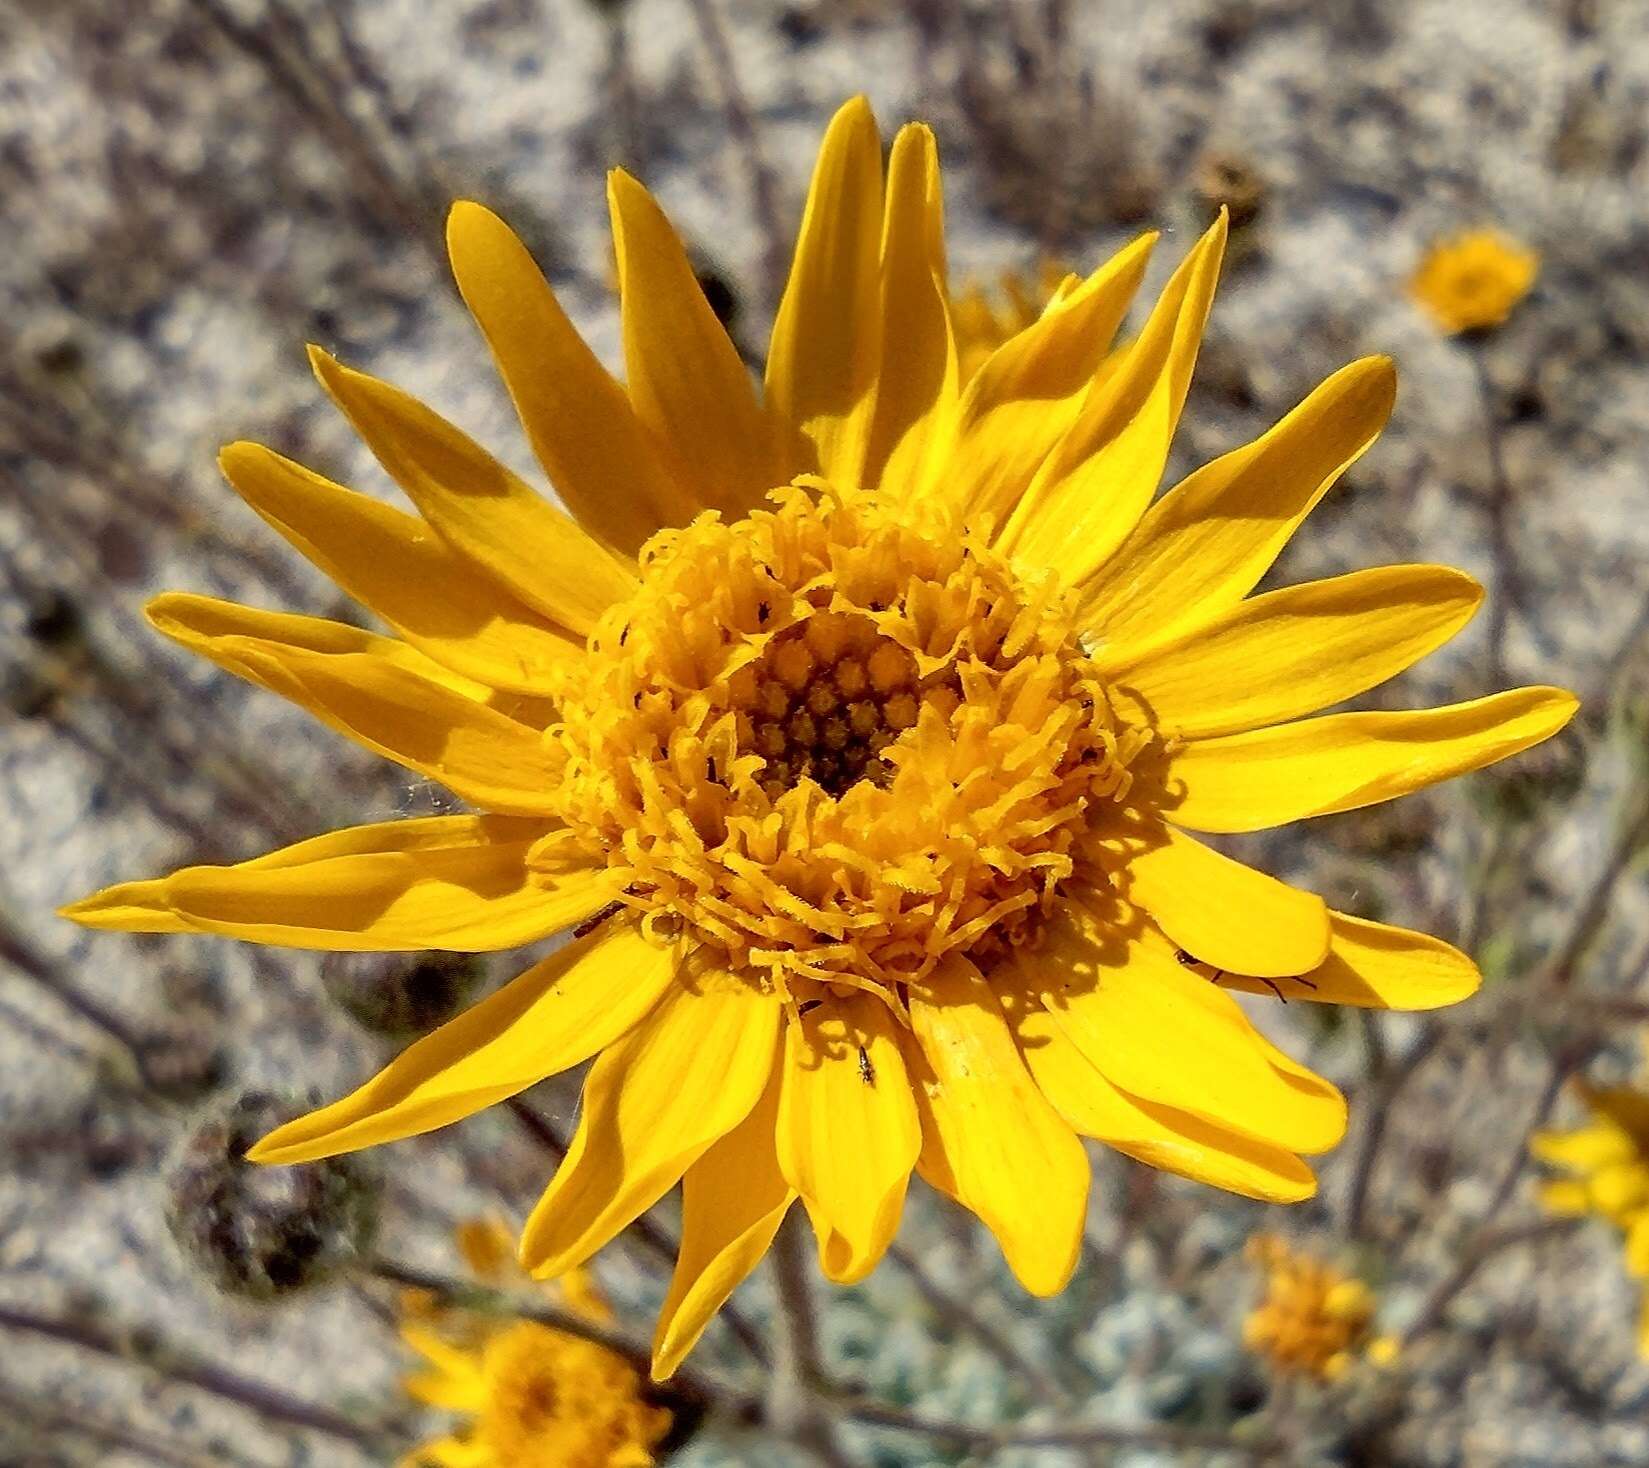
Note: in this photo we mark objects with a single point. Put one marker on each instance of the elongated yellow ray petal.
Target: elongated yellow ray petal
(733, 1200)
(1089, 494)
(1030, 390)
(557, 1014)
(1294, 651)
(654, 1103)
(579, 421)
(1223, 912)
(1379, 967)
(683, 373)
(497, 521)
(416, 720)
(989, 1137)
(395, 565)
(1207, 542)
(202, 623)
(1268, 777)
(848, 1133)
(826, 343)
(459, 882)
(1159, 1136)
(917, 380)
(1160, 1032)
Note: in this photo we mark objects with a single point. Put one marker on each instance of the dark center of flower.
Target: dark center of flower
(826, 698)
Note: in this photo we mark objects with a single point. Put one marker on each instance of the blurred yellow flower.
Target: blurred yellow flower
(1607, 1162)
(865, 730)
(535, 1397)
(1471, 281)
(1312, 1319)
(984, 319)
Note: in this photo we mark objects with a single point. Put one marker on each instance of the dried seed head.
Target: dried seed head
(402, 995)
(263, 1232)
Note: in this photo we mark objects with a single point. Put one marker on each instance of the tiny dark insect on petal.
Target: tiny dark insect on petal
(867, 1071)
(596, 919)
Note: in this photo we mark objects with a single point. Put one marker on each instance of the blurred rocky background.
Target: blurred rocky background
(192, 189)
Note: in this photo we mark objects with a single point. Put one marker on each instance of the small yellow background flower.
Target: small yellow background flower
(1472, 281)
(1312, 1317)
(1607, 1162)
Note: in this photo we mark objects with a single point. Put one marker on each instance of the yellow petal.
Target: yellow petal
(1268, 777)
(127, 907)
(1222, 912)
(1091, 491)
(448, 1452)
(1207, 542)
(848, 1133)
(1619, 1189)
(989, 1136)
(733, 1200)
(477, 752)
(1598, 1144)
(204, 623)
(826, 343)
(395, 565)
(1030, 390)
(1158, 1136)
(495, 520)
(917, 381)
(653, 1105)
(456, 1385)
(466, 884)
(1379, 967)
(557, 1014)
(1162, 1033)
(1637, 1246)
(579, 421)
(1294, 651)
(1566, 1197)
(684, 374)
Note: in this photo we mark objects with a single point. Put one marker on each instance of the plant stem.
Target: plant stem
(793, 1398)
(266, 1401)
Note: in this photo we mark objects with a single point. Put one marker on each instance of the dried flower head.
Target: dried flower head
(1472, 281)
(1607, 1162)
(1312, 1318)
(865, 732)
(534, 1396)
(259, 1231)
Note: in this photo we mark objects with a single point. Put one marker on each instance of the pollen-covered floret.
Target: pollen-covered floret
(837, 743)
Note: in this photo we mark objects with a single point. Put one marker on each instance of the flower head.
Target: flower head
(1472, 281)
(864, 731)
(1607, 1162)
(535, 1397)
(1312, 1318)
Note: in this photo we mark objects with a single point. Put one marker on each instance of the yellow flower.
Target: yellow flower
(1607, 1160)
(1473, 280)
(983, 320)
(870, 780)
(536, 1397)
(1312, 1318)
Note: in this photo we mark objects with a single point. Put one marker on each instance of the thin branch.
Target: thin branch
(1377, 1111)
(267, 1401)
(799, 1378)
(1073, 1435)
(1504, 580)
(741, 122)
(1478, 1252)
(688, 1382)
(957, 1316)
